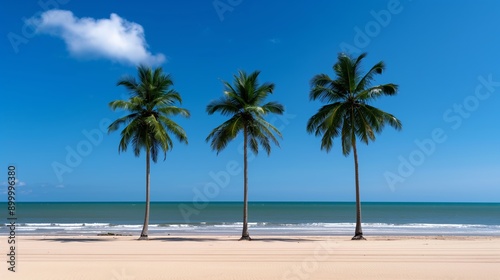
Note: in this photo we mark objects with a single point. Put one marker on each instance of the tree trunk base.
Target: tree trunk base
(358, 237)
(247, 238)
(143, 237)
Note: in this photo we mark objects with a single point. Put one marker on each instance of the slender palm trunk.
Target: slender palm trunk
(144, 233)
(358, 233)
(245, 235)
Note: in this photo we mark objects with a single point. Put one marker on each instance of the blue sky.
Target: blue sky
(57, 82)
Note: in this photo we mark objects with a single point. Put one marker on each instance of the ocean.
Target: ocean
(265, 218)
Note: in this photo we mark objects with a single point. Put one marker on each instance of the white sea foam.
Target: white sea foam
(264, 228)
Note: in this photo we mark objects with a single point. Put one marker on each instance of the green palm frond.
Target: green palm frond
(243, 101)
(273, 107)
(225, 133)
(347, 114)
(151, 104)
(368, 78)
(225, 106)
(260, 92)
(375, 92)
(129, 83)
(175, 129)
(121, 121)
(174, 111)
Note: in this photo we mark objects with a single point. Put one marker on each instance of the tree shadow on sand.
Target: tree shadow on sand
(229, 239)
(72, 239)
(282, 239)
(175, 239)
(180, 239)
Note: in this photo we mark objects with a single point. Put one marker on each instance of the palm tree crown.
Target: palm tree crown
(243, 102)
(348, 113)
(151, 104)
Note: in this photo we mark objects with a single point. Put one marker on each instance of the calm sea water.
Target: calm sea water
(269, 218)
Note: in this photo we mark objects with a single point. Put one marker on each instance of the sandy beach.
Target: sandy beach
(272, 257)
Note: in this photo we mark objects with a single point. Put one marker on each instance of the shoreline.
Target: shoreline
(321, 232)
(237, 233)
(265, 257)
(257, 238)
(313, 229)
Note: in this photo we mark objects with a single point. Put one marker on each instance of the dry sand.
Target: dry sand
(223, 257)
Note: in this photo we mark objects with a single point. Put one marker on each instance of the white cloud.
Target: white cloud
(115, 38)
(275, 41)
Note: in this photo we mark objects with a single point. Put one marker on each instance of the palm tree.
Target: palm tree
(243, 101)
(148, 125)
(347, 113)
